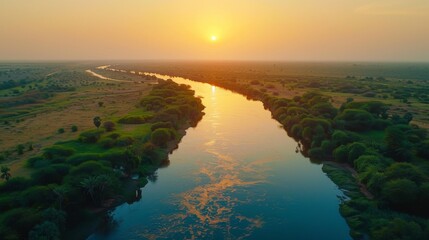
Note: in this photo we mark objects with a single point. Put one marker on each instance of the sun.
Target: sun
(213, 38)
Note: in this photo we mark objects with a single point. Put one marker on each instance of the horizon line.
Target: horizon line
(208, 60)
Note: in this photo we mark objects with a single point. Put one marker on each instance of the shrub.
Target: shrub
(49, 175)
(160, 137)
(365, 161)
(114, 156)
(355, 149)
(79, 158)
(160, 125)
(91, 136)
(109, 126)
(46, 230)
(20, 149)
(341, 153)
(404, 170)
(20, 220)
(327, 147)
(314, 122)
(397, 229)
(56, 216)
(57, 151)
(397, 145)
(107, 142)
(89, 168)
(374, 180)
(316, 153)
(15, 184)
(37, 196)
(324, 109)
(340, 138)
(114, 135)
(135, 119)
(356, 120)
(61, 130)
(400, 192)
(423, 149)
(74, 128)
(124, 141)
(296, 131)
(381, 124)
(8, 202)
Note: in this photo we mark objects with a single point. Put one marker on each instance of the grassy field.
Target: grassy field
(63, 95)
(367, 124)
(92, 143)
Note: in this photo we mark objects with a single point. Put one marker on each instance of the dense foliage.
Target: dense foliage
(69, 179)
(389, 191)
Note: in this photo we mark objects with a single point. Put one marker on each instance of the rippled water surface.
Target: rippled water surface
(235, 176)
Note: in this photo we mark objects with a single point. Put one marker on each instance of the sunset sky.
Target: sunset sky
(292, 30)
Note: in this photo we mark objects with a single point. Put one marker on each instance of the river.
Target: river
(236, 175)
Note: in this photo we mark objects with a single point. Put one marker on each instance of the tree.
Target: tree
(55, 216)
(397, 145)
(398, 229)
(407, 117)
(89, 184)
(400, 192)
(160, 137)
(5, 173)
(356, 150)
(356, 119)
(74, 128)
(97, 121)
(96, 186)
(406, 171)
(60, 193)
(20, 149)
(46, 231)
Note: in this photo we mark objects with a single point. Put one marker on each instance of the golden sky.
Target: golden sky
(300, 30)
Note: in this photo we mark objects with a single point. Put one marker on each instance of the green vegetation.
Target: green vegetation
(97, 121)
(5, 173)
(71, 178)
(388, 168)
(366, 127)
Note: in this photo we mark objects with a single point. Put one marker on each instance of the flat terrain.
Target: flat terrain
(49, 97)
(404, 86)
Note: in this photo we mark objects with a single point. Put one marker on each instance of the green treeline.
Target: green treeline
(389, 155)
(72, 180)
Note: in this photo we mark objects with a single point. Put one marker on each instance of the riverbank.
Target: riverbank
(76, 179)
(237, 168)
(100, 219)
(386, 152)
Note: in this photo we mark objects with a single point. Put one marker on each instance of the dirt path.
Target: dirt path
(105, 78)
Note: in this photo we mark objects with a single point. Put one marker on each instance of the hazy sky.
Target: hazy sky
(316, 30)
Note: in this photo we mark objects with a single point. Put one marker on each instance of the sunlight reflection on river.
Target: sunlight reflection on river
(236, 175)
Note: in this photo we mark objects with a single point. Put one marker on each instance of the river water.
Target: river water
(234, 176)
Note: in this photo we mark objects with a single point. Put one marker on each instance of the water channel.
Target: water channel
(234, 176)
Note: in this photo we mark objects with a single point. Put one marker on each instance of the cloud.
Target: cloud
(395, 8)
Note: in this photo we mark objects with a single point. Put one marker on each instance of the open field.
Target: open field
(53, 97)
(92, 142)
(366, 124)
